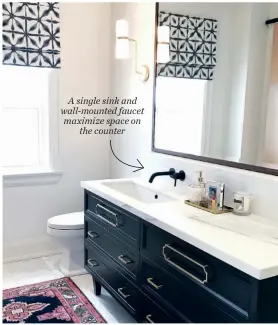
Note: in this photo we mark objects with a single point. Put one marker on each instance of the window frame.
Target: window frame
(49, 170)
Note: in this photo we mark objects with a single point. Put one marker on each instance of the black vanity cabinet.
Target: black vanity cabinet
(160, 278)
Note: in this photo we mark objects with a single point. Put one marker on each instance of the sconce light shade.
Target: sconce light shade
(122, 49)
(121, 28)
(163, 49)
(122, 42)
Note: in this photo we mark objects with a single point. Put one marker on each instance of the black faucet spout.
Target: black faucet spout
(168, 173)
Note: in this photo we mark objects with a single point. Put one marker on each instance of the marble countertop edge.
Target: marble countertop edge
(233, 248)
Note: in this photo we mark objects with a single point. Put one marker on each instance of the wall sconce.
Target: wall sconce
(122, 48)
(163, 48)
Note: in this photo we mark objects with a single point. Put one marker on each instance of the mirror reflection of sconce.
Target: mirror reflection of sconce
(163, 48)
(122, 49)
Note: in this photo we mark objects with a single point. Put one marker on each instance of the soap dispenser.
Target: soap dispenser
(201, 182)
(197, 189)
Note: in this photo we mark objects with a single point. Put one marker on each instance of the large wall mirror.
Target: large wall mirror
(216, 83)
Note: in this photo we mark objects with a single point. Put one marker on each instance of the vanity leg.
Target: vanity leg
(97, 287)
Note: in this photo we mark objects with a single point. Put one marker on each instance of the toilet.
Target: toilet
(67, 230)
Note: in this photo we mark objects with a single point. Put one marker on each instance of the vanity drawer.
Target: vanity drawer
(123, 254)
(184, 298)
(104, 269)
(186, 262)
(113, 218)
(150, 312)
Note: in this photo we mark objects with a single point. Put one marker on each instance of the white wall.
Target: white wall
(136, 143)
(85, 40)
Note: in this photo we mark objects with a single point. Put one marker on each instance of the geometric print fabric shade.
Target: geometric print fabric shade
(31, 34)
(192, 47)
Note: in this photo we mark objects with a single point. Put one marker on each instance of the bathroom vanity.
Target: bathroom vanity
(164, 267)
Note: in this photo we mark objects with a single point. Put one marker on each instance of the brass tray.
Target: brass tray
(214, 211)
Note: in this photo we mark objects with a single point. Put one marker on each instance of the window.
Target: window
(28, 103)
(180, 109)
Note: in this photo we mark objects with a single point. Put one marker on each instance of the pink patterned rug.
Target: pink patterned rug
(55, 301)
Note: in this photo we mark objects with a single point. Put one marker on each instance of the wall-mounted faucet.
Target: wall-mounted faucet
(172, 173)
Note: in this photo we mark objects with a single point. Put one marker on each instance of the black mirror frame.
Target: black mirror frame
(222, 162)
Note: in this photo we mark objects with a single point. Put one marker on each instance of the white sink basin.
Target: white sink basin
(138, 192)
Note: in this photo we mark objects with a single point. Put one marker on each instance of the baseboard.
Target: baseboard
(29, 248)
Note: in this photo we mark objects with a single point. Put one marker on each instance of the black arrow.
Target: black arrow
(138, 167)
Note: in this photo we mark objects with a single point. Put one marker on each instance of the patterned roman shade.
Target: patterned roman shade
(192, 47)
(31, 34)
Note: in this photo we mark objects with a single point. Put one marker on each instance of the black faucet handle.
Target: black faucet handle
(172, 171)
(180, 175)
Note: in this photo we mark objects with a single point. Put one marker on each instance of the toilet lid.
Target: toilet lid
(68, 221)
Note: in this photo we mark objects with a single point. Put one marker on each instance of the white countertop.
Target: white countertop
(252, 248)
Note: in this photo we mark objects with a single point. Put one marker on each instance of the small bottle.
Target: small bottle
(201, 182)
(213, 203)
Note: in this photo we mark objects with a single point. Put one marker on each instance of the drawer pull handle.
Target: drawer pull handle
(98, 206)
(120, 290)
(93, 234)
(150, 281)
(124, 259)
(92, 263)
(168, 259)
(148, 318)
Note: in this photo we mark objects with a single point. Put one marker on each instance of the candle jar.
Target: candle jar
(242, 202)
(195, 193)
